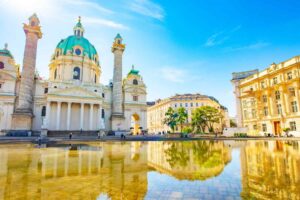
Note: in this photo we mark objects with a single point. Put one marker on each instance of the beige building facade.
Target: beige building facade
(268, 101)
(156, 111)
(73, 99)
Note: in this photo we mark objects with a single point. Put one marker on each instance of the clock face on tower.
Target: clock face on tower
(78, 52)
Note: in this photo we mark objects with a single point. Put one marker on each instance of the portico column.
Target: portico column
(100, 117)
(48, 111)
(81, 115)
(58, 115)
(69, 115)
(91, 116)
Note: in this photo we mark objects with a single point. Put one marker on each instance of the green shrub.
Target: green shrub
(241, 135)
(187, 130)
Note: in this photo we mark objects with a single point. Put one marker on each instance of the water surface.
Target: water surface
(151, 170)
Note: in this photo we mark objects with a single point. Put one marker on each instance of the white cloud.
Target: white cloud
(173, 74)
(148, 8)
(104, 22)
(89, 4)
(253, 46)
(220, 37)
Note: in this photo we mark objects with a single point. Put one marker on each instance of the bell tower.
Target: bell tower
(117, 92)
(22, 117)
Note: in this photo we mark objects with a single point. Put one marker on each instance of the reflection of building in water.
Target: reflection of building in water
(271, 170)
(113, 170)
(197, 160)
(116, 170)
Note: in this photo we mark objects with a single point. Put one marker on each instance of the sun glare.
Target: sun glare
(28, 6)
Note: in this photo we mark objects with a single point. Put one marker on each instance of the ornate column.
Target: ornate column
(69, 115)
(47, 118)
(58, 111)
(99, 121)
(81, 115)
(22, 118)
(117, 91)
(91, 116)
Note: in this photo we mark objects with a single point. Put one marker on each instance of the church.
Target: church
(73, 99)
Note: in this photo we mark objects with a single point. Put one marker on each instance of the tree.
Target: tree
(182, 117)
(171, 119)
(212, 116)
(198, 120)
(232, 123)
(206, 116)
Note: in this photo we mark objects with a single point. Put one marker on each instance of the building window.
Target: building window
(277, 95)
(289, 75)
(0, 85)
(76, 73)
(293, 126)
(292, 92)
(95, 78)
(103, 95)
(275, 81)
(186, 105)
(245, 114)
(180, 104)
(135, 82)
(102, 114)
(45, 90)
(264, 127)
(191, 104)
(253, 113)
(43, 111)
(175, 105)
(265, 98)
(255, 127)
(197, 104)
(279, 109)
(135, 98)
(1, 65)
(294, 106)
(266, 111)
(262, 84)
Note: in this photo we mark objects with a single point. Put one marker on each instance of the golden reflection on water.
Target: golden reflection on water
(114, 170)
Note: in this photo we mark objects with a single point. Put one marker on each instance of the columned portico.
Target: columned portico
(68, 115)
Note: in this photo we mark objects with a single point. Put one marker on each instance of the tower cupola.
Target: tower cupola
(78, 28)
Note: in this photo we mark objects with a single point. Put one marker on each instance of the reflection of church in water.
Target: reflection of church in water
(107, 169)
(270, 169)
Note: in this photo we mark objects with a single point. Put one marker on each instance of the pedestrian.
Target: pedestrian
(70, 135)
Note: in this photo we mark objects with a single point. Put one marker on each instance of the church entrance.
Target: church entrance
(135, 124)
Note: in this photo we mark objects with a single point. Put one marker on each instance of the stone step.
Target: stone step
(74, 133)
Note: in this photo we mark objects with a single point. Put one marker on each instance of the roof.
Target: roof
(70, 42)
(6, 52)
(118, 36)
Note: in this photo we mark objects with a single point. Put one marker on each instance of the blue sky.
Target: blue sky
(178, 46)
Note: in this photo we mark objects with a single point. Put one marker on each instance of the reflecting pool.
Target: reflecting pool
(151, 170)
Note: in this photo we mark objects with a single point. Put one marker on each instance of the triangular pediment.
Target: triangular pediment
(75, 92)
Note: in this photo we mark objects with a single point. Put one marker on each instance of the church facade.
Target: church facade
(73, 98)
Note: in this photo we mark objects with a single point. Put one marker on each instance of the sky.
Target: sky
(178, 46)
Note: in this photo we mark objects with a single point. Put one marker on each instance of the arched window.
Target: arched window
(135, 82)
(76, 73)
(55, 74)
(1, 65)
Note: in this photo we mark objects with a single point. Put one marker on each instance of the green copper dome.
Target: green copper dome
(72, 41)
(77, 40)
(6, 52)
(133, 71)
